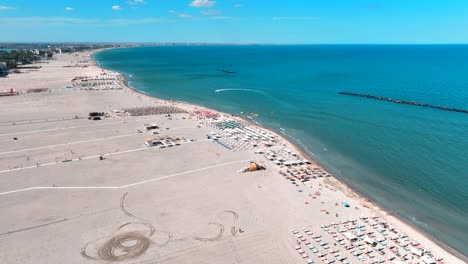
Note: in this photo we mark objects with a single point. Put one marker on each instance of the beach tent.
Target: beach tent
(350, 236)
(416, 251)
(253, 166)
(370, 241)
(428, 260)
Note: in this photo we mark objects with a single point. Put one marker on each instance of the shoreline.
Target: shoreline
(365, 199)
(348, 190)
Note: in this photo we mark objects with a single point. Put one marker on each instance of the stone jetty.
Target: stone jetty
(445, 108)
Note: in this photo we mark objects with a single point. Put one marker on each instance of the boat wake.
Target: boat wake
(238, 89)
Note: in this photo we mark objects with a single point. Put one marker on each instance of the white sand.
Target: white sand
(178, 190)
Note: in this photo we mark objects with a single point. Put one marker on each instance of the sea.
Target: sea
(411, 160)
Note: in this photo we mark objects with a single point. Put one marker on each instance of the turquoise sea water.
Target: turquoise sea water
(410, 159)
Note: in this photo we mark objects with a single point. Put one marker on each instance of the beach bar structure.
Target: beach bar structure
(164, 142)
(151, 126)
(9, 93)
(153, 142)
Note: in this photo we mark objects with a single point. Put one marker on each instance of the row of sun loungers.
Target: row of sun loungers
(153, 110)
(165, 142)
(205, 114)
(88, 84)
(303, 173)
(106, 76)
(364, 240)
(285, 158)
(102, 85)
(238, 136)
(105, 81)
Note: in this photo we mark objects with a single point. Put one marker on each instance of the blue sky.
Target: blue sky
(236, 21)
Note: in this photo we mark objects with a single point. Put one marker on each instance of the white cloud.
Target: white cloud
(238, 5)
(116, 8)
(221, 17)
(47, 20)
(182, 15)
(7, 8)
(139, 21)
(295, 18)
(136, 2)
(211, 12)
(202, 3)
(60, 21)
(69, 9)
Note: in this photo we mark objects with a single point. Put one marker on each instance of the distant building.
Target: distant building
(68, 50)
(3, 66)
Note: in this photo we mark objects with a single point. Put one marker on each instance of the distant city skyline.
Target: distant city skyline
(236, 21)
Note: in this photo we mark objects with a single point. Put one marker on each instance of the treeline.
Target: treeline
(14, 58)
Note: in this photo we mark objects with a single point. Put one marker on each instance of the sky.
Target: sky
(236, 21)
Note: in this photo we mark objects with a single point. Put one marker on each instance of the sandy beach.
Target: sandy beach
(78, 190)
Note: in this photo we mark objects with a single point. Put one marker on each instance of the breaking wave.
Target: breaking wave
(238, 89)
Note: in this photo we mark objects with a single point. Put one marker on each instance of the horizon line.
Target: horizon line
(212, 43)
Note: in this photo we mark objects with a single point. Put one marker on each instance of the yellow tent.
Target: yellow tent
(253, 166)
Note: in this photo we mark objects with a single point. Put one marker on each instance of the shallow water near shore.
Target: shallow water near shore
(412, 160)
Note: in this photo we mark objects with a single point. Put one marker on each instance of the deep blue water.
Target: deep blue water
(412, 160)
